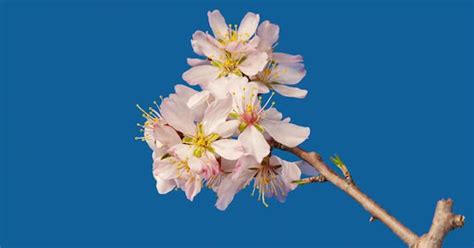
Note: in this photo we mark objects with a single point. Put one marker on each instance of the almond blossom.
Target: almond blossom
(219, 136)
(254, 120)
(232, 50)
(282, 69)
(273, 177)
(208, 137)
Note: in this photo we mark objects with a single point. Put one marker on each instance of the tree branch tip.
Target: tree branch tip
(458, 221)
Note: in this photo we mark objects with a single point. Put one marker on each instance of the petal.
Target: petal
(306, 168)
(164, 169)
(289, 73)
(208, 46)
(248, 26)
(244, 168)
(167, 135)
(262, 88)
(272, 114)
(216, 114)
(197, 37)
(165, 186)
(184, 92)
(226, 193)
(287, 58)
(192, 187)
(227, 128)
(268, 34)
(218, 24)
(287, 134)
(228, 166)
(235, 182)
(196, 62)
(178, 115)
(219, 87)
(254, 143)
(289, 173)
(198, 99)
(289, 91)
(201, 74)
(254, 63)
(195, 164)
(228, 148)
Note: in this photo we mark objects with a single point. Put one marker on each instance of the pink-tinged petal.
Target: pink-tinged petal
(262, 88)
(248, 26)
(195, 164)
(226, 193)
(196, 62)
(227, 166)
(227, 128)
(287, 58)
(290, 172)
(184, 92)
(289, 73)
(245, 169)
(219, 87)
(235, 182)
(289, 91)
(201, 74)
(306, 168)
(287, 134)
(272, 114)
(149, 134)
(218, 25)
(178, 115)
(158, 153)
(210, 165)
(164, 169)
(197, 37)
(192, 187)
(252, 44)
(198, 99)
(166, 135)
(207, 45)
(216, 114)
(254, 63)
(228, 148)
(181, 151)
(254, 143)
(268, 33)
(165, 186)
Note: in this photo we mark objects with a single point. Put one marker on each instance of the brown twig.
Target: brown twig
(443, 221)
(314, 179)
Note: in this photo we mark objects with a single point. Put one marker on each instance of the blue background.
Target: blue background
(391, 91)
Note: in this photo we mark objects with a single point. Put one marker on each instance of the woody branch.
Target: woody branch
(444, 220)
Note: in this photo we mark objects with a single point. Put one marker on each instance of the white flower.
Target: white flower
(253, 120)
(154, 121)
(208, 137)
(174, 170)
(231, 51)
(282, 69)
(273, 177)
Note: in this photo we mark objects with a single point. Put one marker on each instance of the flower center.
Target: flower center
(229, 64)
(267, 180)
(201, 141)
(231, 36)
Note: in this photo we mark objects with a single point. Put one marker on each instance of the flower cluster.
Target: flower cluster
(220, 136)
